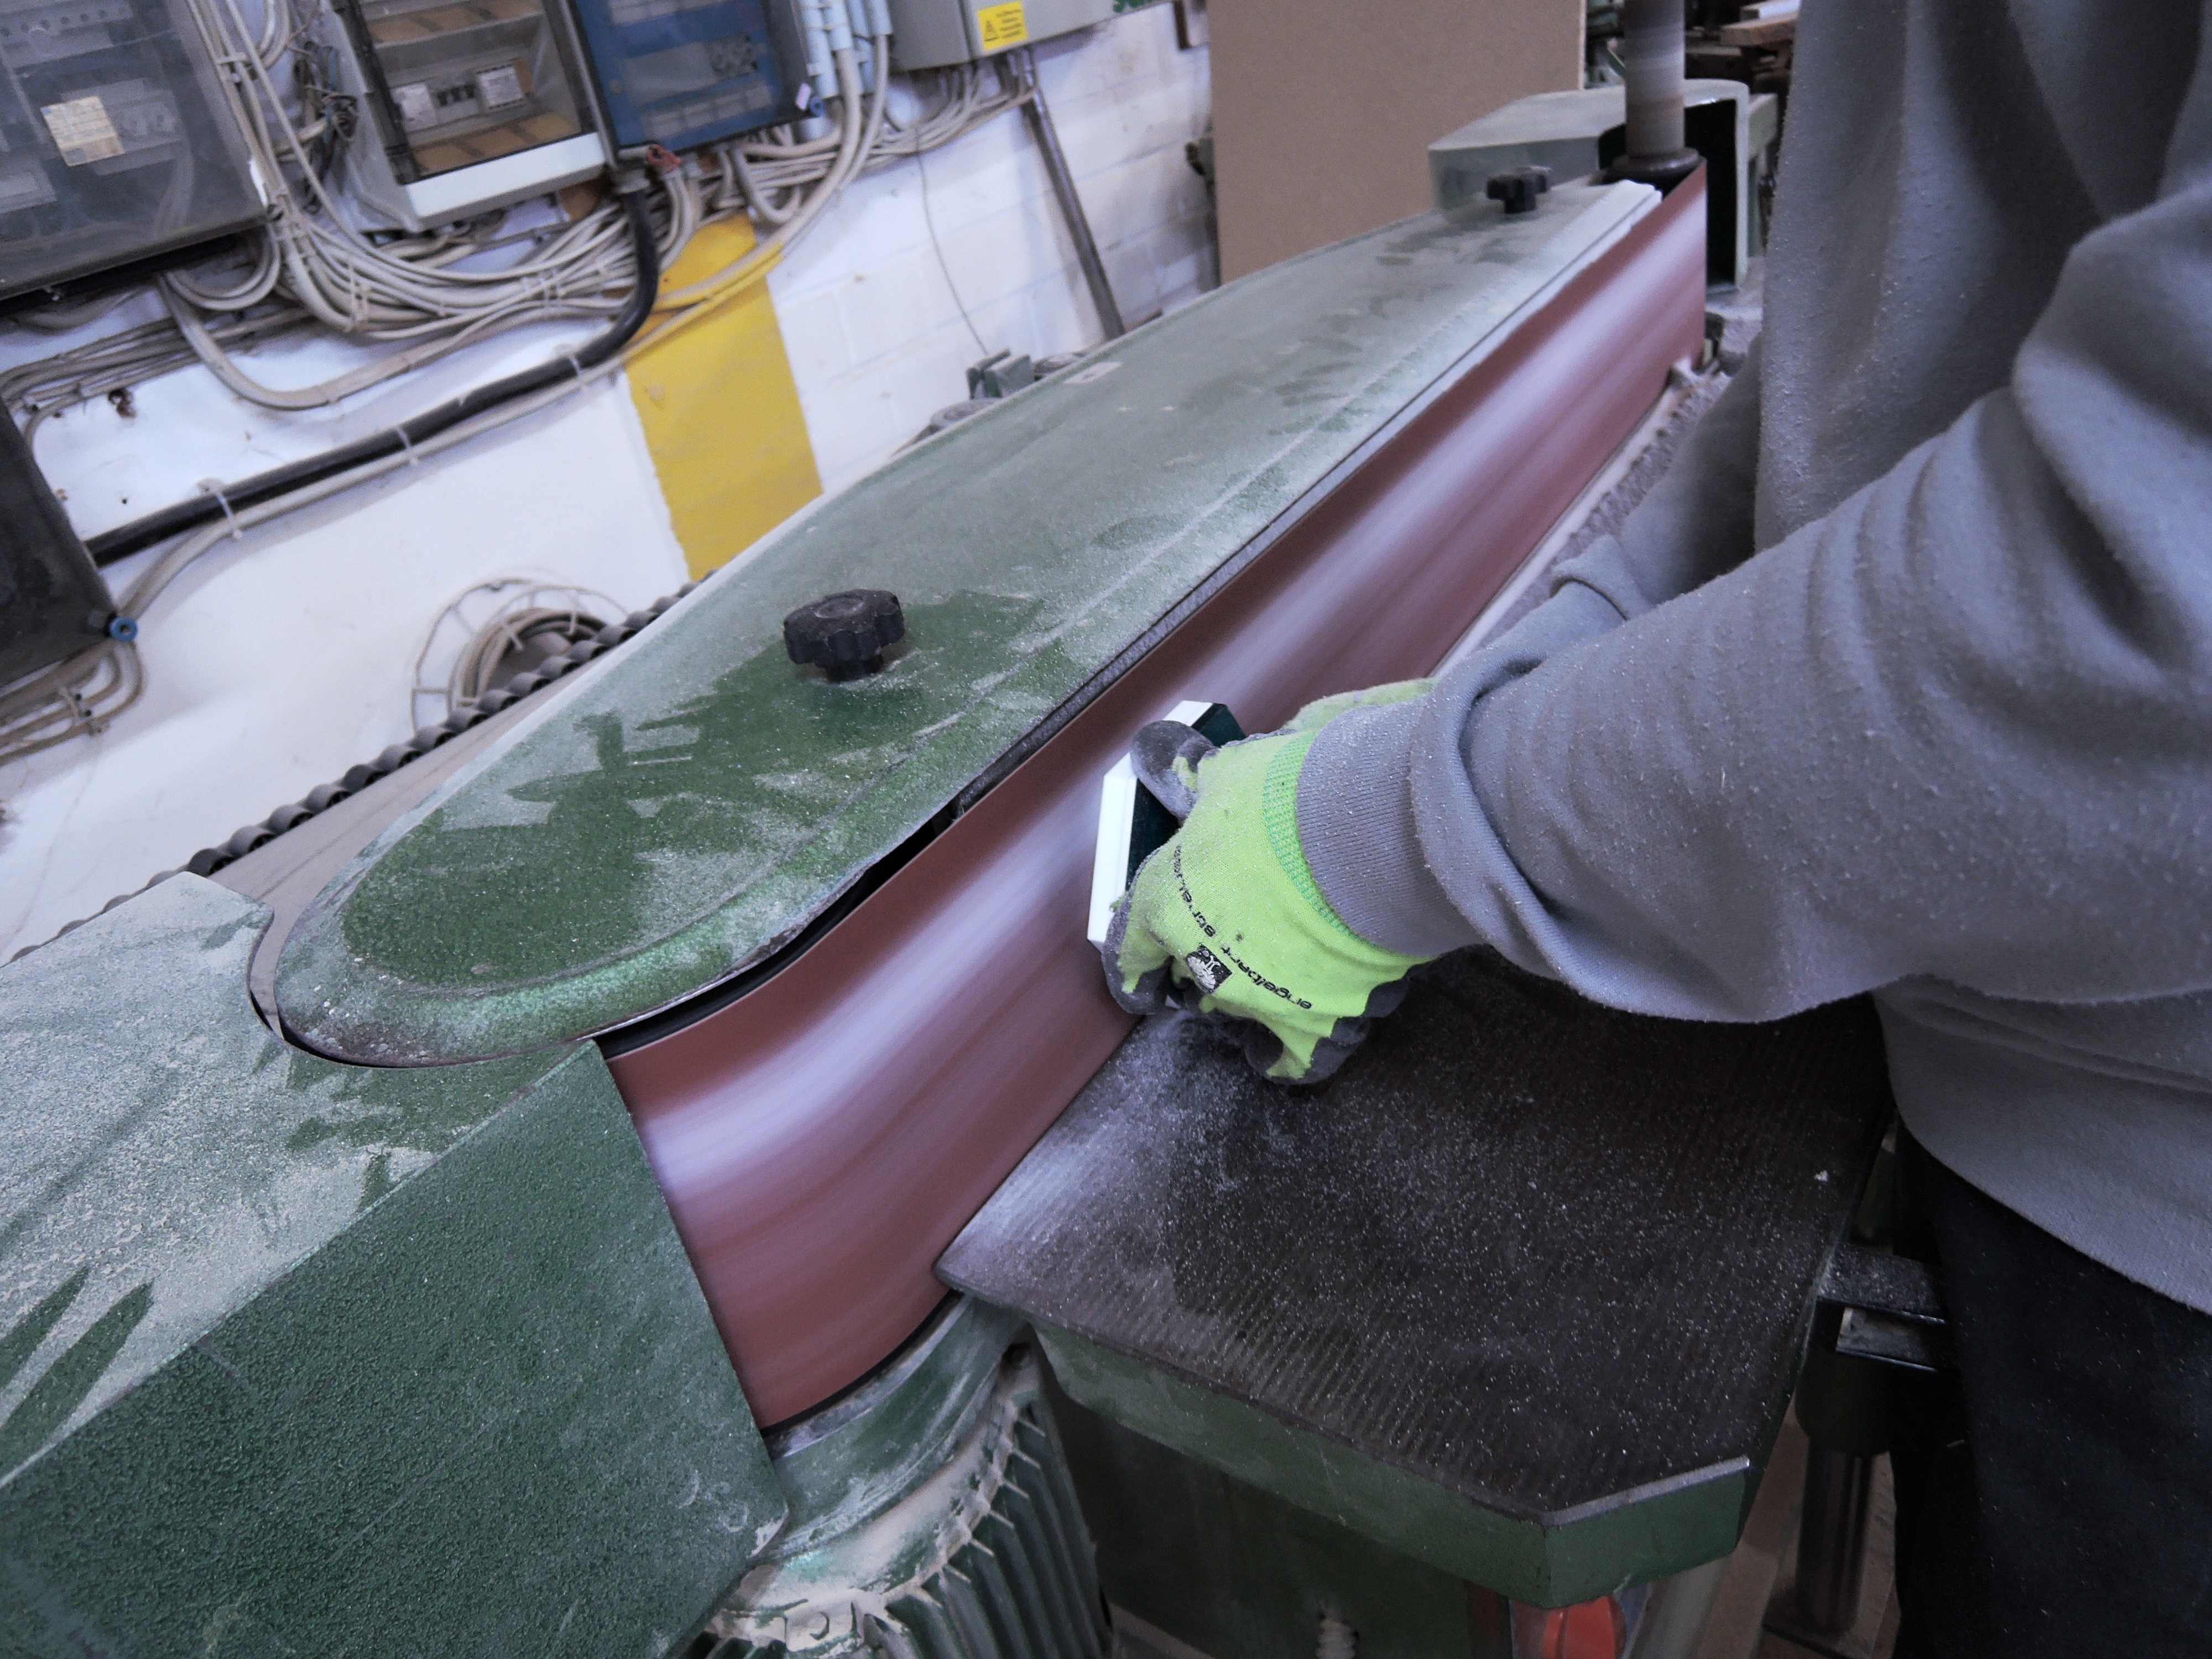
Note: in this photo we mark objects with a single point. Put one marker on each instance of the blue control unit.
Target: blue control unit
(682, 73)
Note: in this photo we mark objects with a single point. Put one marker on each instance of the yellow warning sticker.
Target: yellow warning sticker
(83, 131)
(1002, 26)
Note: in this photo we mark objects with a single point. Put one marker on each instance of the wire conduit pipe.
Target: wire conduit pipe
(1017, 73)
(158, 526)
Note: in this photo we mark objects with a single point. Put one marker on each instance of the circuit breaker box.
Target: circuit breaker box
(682, 73)
(117, 142)
(465, 106)
(928, 33)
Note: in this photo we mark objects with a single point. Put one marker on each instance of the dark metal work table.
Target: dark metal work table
(1521, 1293)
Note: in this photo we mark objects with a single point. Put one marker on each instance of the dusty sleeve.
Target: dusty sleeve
(1960, 726)
(1695, 523)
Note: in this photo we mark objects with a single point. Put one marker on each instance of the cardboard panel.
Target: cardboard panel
(1323, 111)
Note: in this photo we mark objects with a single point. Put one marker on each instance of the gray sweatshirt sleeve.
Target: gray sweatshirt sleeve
(1696, 521)
(1960, 727)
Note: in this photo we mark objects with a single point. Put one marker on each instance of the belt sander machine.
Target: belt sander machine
(499, 1215)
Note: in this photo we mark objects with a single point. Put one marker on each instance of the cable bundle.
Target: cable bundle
(430, 295)
(74, 698)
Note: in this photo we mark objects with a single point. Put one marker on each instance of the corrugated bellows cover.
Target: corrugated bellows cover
(982, 1556)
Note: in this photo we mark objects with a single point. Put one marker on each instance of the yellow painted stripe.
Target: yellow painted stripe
(720, 411)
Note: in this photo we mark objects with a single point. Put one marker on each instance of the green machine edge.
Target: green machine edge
(300, 1357)
(1550, 1560)
(683, 813)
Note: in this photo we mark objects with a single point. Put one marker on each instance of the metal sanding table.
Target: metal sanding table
(1521, 1293)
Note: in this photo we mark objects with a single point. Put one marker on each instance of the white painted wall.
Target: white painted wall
(876, 338)
(287, 657)
(281, 659)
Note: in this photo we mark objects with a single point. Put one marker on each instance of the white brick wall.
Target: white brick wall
(877, 342)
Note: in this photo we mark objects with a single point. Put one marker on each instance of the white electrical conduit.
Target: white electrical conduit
(150, 586)
(860, 120)
(43, 388)
(774, 212)
(224, 368)
(451, 309)
(40, 388)
(356, 285)
(259, 283)
(78, 696)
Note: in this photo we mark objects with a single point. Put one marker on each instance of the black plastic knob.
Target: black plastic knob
(844, 634)
(1662, 172)
(1519, 188)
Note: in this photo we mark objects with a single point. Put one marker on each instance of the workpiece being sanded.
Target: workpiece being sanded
(1521, 1293)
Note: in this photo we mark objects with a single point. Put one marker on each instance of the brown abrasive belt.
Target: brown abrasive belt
(823, 1138)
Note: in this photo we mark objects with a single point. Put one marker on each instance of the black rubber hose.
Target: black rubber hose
(140, 533)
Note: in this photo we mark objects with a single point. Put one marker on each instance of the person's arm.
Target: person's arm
(1960, 727)
(1696, 521)
(1225, 919)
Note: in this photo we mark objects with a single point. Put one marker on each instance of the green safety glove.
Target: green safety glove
(1225, 921)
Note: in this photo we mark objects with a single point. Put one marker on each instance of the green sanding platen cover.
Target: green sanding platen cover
(686, 809)
(299, 1357)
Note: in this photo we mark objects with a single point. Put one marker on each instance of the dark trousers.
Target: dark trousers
(2055, 1496)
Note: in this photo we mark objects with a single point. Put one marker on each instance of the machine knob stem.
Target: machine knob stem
(844, 634)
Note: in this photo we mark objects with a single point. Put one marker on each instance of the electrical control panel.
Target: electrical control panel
(682, 73)
(116, 141)
(463, 106)
(929, 33)
(53, 602)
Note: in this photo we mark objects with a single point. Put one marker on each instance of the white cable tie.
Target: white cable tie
(214, 487)
(407, 444)
(81, 716)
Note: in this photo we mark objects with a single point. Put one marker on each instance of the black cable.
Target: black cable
(922, 164)
(139, 534)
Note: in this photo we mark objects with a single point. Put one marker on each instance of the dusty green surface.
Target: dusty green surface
(685, 812)
(1549, 1560)
(301, 1358)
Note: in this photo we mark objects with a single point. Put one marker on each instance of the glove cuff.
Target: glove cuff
(1356, 830)
(1278, 812)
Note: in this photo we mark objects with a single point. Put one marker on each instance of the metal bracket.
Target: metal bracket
(1873, 1306)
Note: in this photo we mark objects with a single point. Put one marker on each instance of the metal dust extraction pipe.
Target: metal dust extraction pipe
(1651, 54)
(1017, 74)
